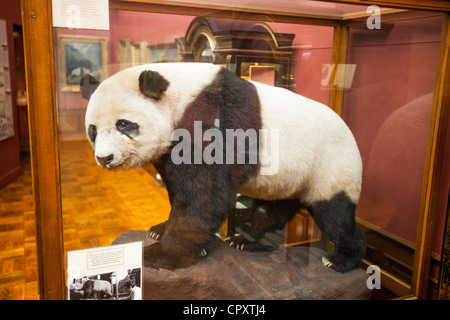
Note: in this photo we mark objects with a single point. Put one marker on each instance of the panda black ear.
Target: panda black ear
(88, 84)
(152, 84)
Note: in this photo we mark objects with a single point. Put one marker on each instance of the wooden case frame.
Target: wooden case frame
(40, 65)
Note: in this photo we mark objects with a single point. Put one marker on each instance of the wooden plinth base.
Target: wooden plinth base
(226, 273)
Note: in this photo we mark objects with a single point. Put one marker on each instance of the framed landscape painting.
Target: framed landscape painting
(81, 55)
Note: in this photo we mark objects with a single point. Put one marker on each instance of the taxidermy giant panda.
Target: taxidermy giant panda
(212, 135)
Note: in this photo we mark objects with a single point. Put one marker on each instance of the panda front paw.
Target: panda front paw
(157, 231)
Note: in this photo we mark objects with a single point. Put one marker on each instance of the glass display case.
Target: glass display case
(384, 70)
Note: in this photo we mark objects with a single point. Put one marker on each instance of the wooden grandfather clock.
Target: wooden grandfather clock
(240, 46)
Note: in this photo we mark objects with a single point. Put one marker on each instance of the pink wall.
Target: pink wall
(312, 44)
(153, 28)
(388, 109)
(308, 68)
(312, 47)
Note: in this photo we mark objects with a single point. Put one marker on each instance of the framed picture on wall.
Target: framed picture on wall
(80, 55)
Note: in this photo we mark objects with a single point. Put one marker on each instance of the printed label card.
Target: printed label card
(81, 14)
(113, 273)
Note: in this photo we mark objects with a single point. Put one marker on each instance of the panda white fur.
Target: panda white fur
(130, 121)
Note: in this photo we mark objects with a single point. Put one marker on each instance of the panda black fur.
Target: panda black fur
(130, 121)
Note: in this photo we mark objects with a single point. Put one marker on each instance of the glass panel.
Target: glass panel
(99, 205)
(388, 105)
(319, 9)
(388, 82)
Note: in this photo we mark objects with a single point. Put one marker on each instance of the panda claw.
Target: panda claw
(154, 235)
(326, 262)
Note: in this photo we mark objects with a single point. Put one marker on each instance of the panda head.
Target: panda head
(128, 120)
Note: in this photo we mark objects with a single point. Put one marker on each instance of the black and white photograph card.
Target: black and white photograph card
(113, 273)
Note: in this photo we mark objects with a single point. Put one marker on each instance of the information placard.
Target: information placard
(81, 14)
(113, 272)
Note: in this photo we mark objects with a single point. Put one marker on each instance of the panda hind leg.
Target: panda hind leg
(336, 219)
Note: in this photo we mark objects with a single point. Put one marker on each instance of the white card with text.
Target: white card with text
(113, 273)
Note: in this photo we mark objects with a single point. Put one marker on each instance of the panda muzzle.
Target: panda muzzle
(104, 161)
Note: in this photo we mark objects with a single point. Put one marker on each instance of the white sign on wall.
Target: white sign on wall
(81, 14)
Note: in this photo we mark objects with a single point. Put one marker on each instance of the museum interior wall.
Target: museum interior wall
(10, 167)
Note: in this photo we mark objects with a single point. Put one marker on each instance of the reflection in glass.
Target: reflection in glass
(98, 205)
(388, 109)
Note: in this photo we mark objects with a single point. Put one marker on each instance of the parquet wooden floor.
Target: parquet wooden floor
(97, 206)
(18, 267)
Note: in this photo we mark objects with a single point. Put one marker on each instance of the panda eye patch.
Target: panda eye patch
(128, 128)
(92, 132)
